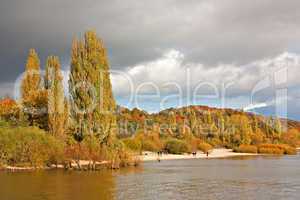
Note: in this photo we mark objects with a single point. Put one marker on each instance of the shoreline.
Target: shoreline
(73, 166)
(146, 157)
(216, 153)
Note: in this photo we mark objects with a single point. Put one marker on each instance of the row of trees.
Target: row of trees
(89, 106)
(42, 98)
(83, 119)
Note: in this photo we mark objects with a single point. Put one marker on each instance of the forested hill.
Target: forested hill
(220, 127)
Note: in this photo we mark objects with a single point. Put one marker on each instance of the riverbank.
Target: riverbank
(216, 153)
(147, 156)
(80, 165)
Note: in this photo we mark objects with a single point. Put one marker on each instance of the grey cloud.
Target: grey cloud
(135, 31)
(208, 32)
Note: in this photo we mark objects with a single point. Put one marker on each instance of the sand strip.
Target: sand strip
(216, 153)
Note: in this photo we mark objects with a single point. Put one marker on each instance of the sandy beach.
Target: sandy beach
(216, 153)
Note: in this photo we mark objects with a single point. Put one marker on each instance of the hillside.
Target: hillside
(218, 127)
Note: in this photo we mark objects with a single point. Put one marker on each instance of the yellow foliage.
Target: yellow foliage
(276, 149)
(292, 137)
(205, 147)
(244, 148)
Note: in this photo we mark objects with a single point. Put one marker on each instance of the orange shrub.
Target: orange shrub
(205, 147)
(257, 138)
(176, 146)
(290, 151)
(8, 108)
(149, 145)
(194, 143)
(215, 142)
(276, 149)
(244, 148)
(292, 137)
(265, 150)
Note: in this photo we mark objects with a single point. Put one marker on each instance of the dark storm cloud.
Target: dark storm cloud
(209, 32)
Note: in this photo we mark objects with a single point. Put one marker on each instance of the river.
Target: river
(258, 177)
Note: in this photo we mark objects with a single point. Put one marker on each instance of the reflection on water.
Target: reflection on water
(232, 178)
(56, 185)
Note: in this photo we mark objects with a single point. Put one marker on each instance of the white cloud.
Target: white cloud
(171, 67)
(267, 76)
(253, 106)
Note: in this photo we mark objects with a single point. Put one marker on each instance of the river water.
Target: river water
(231, 178)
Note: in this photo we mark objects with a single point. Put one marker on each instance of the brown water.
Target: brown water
(236, 178)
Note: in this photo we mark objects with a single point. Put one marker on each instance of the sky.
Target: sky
(171, 53)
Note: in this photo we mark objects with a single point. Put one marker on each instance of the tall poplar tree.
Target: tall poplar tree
(34, 97)
(92, 102)
(31, 79)
(56, 104)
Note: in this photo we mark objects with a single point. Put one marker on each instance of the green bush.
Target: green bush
(29, 146)
(204, 147)
(176, 146)
(133, 144)
(4, 123)
(149, 145)
(119, 155)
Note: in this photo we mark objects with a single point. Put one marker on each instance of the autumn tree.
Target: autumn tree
(221, 126)
(243, 129)
(31, 79)
(56, 104)
(257, 137)
(193, 120)
(33, 96)
(277, 129)
(9, 110)
(66, 115)
(246, 130)
(292, 137)
(92, 101)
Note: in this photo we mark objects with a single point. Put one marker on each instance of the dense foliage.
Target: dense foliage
(92, 103)
(29, 146)
(56, 99)
(202, 128)
(204, 147)
(276, 149)
(176, 146)
(244, 148)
